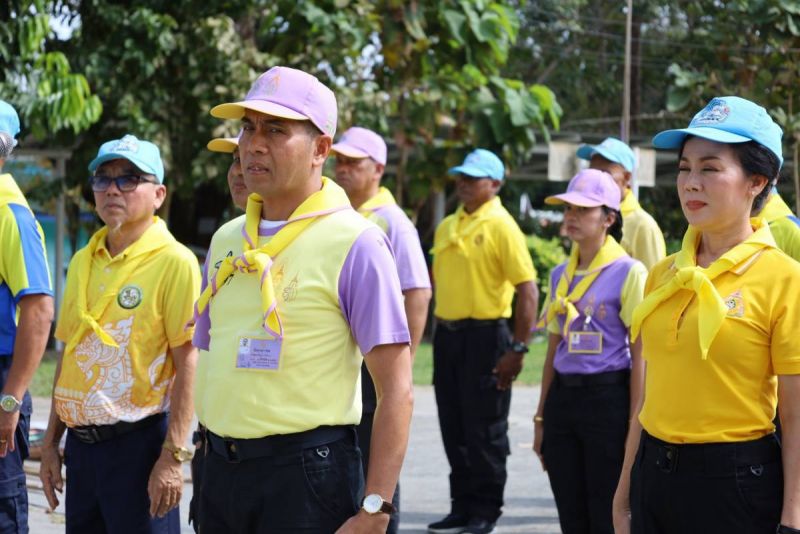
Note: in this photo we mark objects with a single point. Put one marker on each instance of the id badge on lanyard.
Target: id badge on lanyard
(259, 353)
(585, 341)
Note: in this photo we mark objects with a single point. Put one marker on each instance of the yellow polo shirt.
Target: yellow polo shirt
(641, 236)
(478, 258)
(785, 227)
(101, 384)
(732, 395)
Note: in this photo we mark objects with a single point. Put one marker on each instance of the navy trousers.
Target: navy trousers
(106, 490)
(13, 493)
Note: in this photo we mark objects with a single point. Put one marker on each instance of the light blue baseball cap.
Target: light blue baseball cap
(144, 154)
(9, 120)
(728, 119)
(481, 163)
(613, 150)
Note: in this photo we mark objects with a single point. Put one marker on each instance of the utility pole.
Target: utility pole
(626, 88)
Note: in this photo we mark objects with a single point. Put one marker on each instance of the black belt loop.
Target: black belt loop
(609, 378)
(97, 433)
(238, 450)
(463, 324)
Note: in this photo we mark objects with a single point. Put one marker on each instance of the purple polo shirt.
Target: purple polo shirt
(408, 255)
(369, 293)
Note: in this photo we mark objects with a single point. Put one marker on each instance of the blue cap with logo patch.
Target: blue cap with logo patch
(728, 119)
(9, 120)
(481, 163)
(144, 154)
(613, 150)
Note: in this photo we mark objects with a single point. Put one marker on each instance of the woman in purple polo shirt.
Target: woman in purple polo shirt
(592, 374)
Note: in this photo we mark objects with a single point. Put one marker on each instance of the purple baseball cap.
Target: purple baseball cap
(290, 94)
(224, 144)
(359, 143)
(588, 189)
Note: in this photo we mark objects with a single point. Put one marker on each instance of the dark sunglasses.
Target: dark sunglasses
(125, 183)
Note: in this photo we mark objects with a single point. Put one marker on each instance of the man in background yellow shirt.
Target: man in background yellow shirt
(480, 258)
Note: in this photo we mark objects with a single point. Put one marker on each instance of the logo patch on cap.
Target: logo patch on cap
(127, 144)
(714, 113)
(266, 84)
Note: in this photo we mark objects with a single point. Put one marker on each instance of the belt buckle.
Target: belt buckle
(231, 451)
(668, 459)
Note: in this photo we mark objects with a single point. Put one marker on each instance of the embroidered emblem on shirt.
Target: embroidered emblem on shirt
(715, 112)
(478, 239)
(602, 313)
(290, 291)
(735, 304)
(129, 297)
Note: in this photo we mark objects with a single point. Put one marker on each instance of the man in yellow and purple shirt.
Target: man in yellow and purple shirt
(123, 386)
(360, 162)
(299, 288)
(641, 236)
(783, 224)
(26, 312)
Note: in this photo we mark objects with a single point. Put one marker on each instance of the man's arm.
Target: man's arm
(390, 368)
(35, 318)
(166, 479)
(416, 305)
(50, 466)
(510, 365)
(789, 402)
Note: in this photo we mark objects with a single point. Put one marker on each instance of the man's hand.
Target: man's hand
(165, 485)
(538, 434)
(364, 523)
(8, 427)
(507, 369)
(621, 510)
(50, 474)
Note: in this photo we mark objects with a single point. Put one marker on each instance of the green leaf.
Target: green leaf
(678, 98)
(455, 23)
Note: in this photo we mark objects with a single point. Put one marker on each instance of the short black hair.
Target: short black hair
(615, 230)
(312, 130)
(756, 159)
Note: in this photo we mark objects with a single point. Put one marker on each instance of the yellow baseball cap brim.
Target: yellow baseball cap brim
(236, 110)
(223, 144)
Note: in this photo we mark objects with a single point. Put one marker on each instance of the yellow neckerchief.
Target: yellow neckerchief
(383, 198)
(258, 260)
(775, 209)
(456, 236)
(629, 204)
(688, 275)
(562, 303)
(154, 238)
(10, 192)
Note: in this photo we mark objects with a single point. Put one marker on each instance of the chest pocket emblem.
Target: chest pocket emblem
(735, 304)
(129, 297)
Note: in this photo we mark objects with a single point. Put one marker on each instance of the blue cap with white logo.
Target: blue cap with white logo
(728, 119)
(613, 150)
(144, 154)
(9, 120)
(481, 163)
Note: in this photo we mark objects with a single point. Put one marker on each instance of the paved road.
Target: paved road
(529, 502)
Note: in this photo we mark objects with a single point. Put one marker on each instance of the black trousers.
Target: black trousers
(473, 416)
(583, 447)
(714, 487)
(364, 430)
(197, 466)
(313, 490)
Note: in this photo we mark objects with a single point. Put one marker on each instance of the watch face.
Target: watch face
(9, 403)
(373, 503)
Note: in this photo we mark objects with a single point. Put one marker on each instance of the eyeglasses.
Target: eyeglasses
(125, 183)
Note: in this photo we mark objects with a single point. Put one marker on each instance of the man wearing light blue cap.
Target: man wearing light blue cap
(123, 387)
(641, 236)
(480, 258)
(26, 312)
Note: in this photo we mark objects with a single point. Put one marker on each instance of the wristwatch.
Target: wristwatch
(9, 403)
(181, 454)
(519, 346)
(374, 504)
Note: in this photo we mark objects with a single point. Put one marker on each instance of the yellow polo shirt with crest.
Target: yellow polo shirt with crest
(783, 224)
(316, 379)
(146, 315)
(731, 396)
(478, 258)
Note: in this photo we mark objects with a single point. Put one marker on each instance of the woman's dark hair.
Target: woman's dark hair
(615, 230)
(755, 159)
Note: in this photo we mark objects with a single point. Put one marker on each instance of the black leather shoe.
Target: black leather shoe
(478, 526)
(452, 524)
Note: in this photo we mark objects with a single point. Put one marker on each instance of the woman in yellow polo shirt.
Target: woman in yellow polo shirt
(719, 326)
(592, 375)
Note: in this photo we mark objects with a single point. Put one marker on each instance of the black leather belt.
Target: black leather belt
(609, 378)
(463, 324)
(710, 458)
(97, 433)
(238, 450)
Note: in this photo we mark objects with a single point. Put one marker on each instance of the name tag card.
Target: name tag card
(585, 342)
(255, 353)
